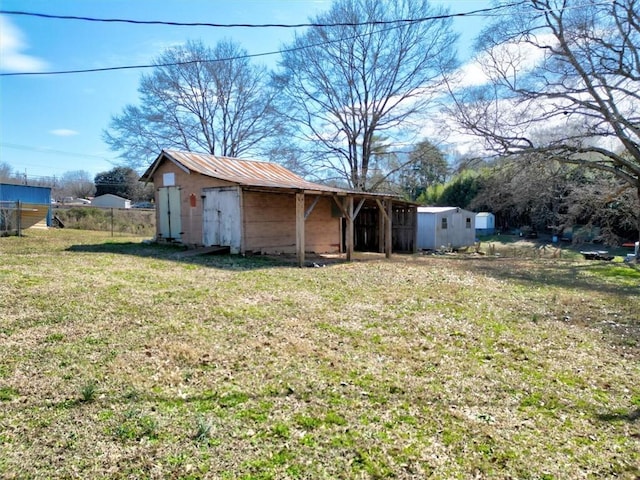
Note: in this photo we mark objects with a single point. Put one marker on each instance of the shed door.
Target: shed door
(169, 213)
(222, 219)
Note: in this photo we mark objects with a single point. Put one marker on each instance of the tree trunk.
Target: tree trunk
(638, 217)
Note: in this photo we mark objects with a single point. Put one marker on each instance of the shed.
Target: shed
(109, 200)
(485, 223)
(261, 207)
(22, 206)
(449, 227)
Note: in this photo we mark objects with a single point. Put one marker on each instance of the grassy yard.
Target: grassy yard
(120, 359)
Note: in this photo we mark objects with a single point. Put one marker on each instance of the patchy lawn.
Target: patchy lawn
(125, 360)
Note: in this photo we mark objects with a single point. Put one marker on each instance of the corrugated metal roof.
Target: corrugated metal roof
(243, 172)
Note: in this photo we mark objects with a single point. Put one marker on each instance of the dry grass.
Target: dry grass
(125, 360)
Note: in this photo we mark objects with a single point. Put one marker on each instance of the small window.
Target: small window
(444, 224)
(468, 222)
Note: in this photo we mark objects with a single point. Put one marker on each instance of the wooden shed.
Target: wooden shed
(261, 207)
(448, 227)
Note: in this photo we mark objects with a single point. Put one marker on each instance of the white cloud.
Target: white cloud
(511, 59)
(63, 132)
(12, 44)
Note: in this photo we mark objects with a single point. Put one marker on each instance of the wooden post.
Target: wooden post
(349, 236)
(388, 239)
(19, 218)
(414, 213)
(381, 229)
(386, 209)
(300, 228)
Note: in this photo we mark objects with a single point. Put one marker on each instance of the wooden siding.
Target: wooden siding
(194, 183)
(270, 224)
(369, 229)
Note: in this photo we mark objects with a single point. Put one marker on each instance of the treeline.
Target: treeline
(542, 195)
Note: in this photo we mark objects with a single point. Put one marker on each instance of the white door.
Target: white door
(222, 220)
(169, 213)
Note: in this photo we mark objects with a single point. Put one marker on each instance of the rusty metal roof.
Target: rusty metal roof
(243, 172)
(253, 173)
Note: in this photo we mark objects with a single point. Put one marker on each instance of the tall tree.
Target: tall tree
(76, 183)
(196, 99)
(427, 166)
(121, 181)
(571, 70)
(348, 83)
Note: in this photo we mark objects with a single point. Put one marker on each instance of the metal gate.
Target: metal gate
(222, 221)
(169, 213)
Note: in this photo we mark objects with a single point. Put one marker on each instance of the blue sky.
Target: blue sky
(52, 124)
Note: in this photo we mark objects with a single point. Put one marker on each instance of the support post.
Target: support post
(388, 230)
(349, 235)
(381, 228)
(386, 210)
(19, 218)
(300, 228)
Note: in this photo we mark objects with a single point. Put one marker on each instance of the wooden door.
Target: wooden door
(222, 220)
(169, 213)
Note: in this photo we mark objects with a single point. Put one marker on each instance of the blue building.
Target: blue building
(34, 206)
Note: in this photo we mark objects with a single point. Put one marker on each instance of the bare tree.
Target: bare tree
(76, 183)
(346, 84)
(564, 82)
(6, 173)
(196, 99)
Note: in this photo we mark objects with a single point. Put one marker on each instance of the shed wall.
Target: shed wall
(427, 231)
(270, 224)
(190, 184)
(485, 223)
(432, 236)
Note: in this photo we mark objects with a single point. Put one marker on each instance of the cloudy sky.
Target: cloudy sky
(51, 124)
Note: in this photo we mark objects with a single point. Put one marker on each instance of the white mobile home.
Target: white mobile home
(449, 227)
(109, 200)
(485, 223)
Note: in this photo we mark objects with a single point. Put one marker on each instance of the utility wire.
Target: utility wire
(263, 25)
(396, 23)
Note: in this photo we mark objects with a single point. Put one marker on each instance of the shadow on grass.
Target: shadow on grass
(184, 255)
(631, 416)
(593, 276)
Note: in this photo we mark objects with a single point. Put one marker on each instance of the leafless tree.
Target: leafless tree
(76, 183)
(6, 173)
(196, 99)
(563, 81)
(347, 84)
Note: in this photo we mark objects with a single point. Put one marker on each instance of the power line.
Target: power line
(262, 25)
(53, 151)
(396, 23)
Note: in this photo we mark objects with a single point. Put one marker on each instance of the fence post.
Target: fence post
(112, 221)
(18, 218)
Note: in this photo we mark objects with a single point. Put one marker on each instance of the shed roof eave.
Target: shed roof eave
(147, 176)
